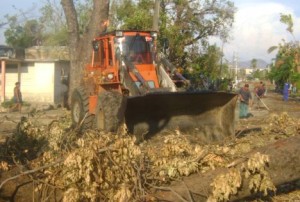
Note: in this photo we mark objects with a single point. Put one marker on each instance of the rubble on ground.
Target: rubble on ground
(95, 165)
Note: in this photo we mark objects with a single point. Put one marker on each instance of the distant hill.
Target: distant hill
(261, 64)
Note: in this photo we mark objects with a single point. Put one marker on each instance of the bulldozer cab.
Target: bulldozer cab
(136, 46)
(127, 58)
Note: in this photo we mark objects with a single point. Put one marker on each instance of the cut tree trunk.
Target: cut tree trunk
(284, 167)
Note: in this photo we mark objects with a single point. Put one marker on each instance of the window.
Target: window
(139, 49)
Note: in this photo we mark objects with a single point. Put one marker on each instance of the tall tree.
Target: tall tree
(54, 24)
(254, 64)
(186, 23)
(207, 63)
(80, 43)
(122, 17)
(155, 25)
(49, 29)
(288, 20)
(22, 35)
(287, 61)
(191, 22)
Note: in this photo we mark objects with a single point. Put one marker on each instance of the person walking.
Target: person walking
(286, 88)
(17, 98)
(245, 98)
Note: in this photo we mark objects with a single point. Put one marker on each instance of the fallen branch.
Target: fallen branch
(284, 158)
(168, 189)
(188, 191)
(31, 171)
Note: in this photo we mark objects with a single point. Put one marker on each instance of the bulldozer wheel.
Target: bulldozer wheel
(80, 109)
(110, 111)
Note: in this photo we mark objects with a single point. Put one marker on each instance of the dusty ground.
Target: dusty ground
(273, 101)
(9, 121)
(275, 104)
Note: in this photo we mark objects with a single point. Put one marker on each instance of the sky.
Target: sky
(256, 28)
(28, 9)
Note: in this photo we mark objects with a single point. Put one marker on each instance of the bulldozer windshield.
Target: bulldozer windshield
(138, 49)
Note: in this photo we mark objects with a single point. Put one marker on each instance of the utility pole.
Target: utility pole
(156, 16)
(222, 55)
(236, 67)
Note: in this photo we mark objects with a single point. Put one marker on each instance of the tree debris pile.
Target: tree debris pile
(99, 166)
(282, 125)
(254, 170)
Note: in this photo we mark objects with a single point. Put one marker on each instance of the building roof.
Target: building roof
(47, 53)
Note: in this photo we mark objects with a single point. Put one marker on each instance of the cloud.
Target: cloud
(257, 27)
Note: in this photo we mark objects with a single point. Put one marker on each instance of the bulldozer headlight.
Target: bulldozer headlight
(110, 76)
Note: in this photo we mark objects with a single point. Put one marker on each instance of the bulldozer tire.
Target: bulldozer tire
(80, 109)
(110, 111)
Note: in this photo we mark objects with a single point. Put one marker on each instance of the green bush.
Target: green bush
(9, 103)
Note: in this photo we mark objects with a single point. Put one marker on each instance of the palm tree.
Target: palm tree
(254, 64)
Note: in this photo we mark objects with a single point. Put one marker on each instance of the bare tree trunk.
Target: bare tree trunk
(284, 167)
(155, 26)
(73, 30)
(80, 46)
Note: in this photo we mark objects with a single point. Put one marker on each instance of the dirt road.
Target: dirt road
(9, 120)
(275, 105)
(273, 101)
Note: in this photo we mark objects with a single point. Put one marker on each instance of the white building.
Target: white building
(40, 73)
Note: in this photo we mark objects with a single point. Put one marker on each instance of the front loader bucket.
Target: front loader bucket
(210, 114)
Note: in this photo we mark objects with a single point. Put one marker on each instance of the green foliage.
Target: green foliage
(208, 63)
(84, 11)
(285, 68)
(55, 31)
(272, 48)
(225, 85)
(254, 63)
(186, 24)
(54, 25)
(49, 29)
(287, 60)
(224, 71)
(205, 71)
(9, 103)
(261, 75)
(190, 23)
(295, 78)
(20, 35)
(59, 38)
(287, 20)
(132, 15)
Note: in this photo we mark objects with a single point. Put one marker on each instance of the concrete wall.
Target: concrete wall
(249, 71)
(37, 82)
(41, 82)
(40, 74)
(11, 77)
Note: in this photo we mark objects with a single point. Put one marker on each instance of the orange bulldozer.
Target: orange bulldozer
(129, 82)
